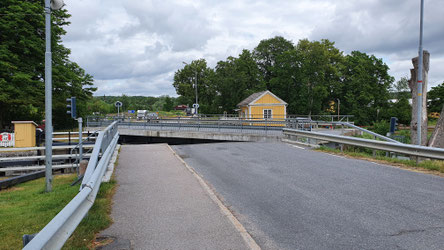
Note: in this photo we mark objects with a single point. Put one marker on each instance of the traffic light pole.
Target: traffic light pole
(80, 139)
(48, 99)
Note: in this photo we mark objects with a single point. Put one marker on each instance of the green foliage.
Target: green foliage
(22, 52)
(433, 165)
(105, 104)
(185, 80)
(311, 77)
(381, 127)
(26, 209)
(436, 98)
(235, 79)
(267, 53)
(365, 87)
(401, 107)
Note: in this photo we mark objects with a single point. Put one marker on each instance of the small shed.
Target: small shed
(24, 133)
(263, 105)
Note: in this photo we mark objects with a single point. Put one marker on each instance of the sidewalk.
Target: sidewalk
(159, 204)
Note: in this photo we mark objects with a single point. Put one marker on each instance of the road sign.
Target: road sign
(118, 104)
(131, 111)
(196, 105)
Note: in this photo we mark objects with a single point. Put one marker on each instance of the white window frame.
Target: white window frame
(267, 116)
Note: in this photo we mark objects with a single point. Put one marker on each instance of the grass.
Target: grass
(26, 209)
(432, 165)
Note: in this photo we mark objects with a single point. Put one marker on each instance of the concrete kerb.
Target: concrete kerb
(251, 243)
(110, 168)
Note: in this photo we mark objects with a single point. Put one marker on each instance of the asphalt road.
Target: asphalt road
(159, 204)
(293, 198)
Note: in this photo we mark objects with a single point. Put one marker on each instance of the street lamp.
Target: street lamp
(196, 105)
(49, 5)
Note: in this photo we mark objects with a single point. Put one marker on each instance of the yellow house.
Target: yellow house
(24, 133)
(263, 105)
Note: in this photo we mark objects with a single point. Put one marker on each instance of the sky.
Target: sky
(135, 47)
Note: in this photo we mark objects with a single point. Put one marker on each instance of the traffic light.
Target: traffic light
(71, 107)
(393, 124)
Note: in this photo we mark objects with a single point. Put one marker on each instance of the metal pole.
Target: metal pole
(80, 139)
(48, 98)
(420, 62)
(339, 106)
(197, 107)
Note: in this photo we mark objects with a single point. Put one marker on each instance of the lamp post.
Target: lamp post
(420, 62)
(196, 105)
(55, 5)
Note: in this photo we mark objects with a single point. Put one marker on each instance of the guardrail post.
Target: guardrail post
(374, 151)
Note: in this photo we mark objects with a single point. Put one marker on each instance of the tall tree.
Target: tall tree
(184, 83)
(22, 50)
(235, 79)
(365, 87)
(320, 62)
(266, 54)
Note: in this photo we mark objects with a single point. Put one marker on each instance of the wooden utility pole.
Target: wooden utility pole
(414, 90)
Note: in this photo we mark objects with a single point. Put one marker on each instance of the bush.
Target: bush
(381, 127)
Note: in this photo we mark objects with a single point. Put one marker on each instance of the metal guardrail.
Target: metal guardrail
(58, 230)
(367, 131)
(407, 149)
(258, 126)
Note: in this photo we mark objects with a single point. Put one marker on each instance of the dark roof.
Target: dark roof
(251, 98)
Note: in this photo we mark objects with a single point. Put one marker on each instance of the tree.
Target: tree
(401, 107)
(184, 83)
(436, 98)
(234, 80)
(266, 54)
(319, 69)
(22, 50)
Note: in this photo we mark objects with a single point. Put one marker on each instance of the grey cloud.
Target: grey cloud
(383, 26)
(134, 47)
(184, 27)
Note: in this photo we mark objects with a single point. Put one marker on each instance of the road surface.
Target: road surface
(288, 197)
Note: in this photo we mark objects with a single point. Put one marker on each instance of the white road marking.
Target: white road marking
(338, 156)
(297, 147)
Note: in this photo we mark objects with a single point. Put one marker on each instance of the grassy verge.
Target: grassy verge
(436, 166)
(26, 209)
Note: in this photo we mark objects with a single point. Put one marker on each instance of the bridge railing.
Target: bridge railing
(227, 125)
(406, 149)
(58, 230)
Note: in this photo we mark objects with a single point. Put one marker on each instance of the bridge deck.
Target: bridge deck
(159, 204)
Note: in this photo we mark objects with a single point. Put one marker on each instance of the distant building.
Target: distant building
(263, 105)
(181, 107)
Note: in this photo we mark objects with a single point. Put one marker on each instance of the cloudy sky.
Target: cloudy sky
(134, 47)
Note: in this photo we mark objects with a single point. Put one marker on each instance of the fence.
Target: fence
(58, 230)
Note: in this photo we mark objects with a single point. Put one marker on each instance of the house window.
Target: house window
(267, 113)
